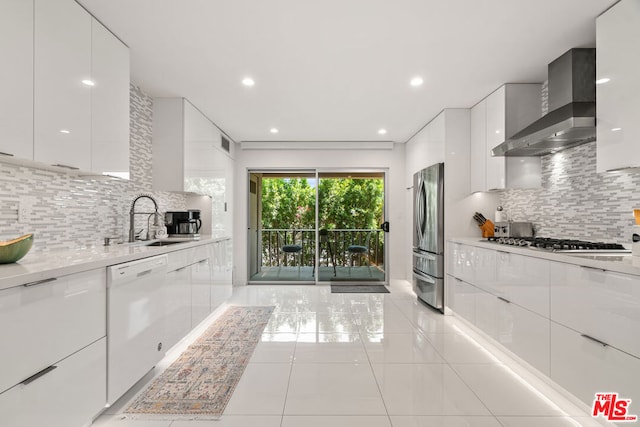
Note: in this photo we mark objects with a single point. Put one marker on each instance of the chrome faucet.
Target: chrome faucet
(133, 213)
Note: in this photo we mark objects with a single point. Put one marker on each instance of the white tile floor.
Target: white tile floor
(374, 360)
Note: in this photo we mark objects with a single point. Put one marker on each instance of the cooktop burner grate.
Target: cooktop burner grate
(551, 244)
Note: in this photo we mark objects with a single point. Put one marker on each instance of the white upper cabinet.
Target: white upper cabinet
(617, 70)
(16, 78)
(478, 147)
(109, 103)
(62, 102)
(186, 150)
(506, 111)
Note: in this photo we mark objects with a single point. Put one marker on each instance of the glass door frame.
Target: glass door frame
(317, 172)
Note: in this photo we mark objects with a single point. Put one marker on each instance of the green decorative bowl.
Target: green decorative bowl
(13, 250)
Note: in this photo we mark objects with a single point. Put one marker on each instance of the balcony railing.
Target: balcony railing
(333, 247)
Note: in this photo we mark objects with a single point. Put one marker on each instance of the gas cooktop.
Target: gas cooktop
(561, 245)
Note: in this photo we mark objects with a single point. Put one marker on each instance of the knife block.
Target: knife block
(488, 229)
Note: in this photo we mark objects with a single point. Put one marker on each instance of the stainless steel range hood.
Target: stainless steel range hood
(571, 119)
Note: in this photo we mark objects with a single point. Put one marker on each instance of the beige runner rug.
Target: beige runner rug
(201, 381)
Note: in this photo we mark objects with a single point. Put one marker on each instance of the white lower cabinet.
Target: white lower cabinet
(461, 298)
(46, 321)
(585, 367)
(177, 315)
(69, 394)
(523, 280)
(602, 304)
(524, 333)
(201, 280)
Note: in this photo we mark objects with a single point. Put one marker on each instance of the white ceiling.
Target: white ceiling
(338, 70)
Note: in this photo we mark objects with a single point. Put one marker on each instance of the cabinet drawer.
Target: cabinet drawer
(523, 280)
(49, 321)
(461, 298)
(200, 291)
(460, 264)
(67, 396)
(177, 312)
(524, 333)
(179, 259)
(199, 253)
(602, 304)
(585, 367)
(484, 268)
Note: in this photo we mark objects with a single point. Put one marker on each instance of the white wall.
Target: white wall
(392, 159)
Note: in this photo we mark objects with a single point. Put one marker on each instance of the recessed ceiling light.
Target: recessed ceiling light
(64, 131)
(88, 82)
(417, 81)
(248, 81)
(603, 80)
(498, 131)
(616, 129)
(382, 131)
(274, 130)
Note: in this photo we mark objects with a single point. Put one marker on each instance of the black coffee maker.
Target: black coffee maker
(183, 223)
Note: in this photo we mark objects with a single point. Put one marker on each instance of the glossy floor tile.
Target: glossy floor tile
(374, 360)
(445, 421)
(262, 390)
(426, 389)
(333, 389)
(336, 421)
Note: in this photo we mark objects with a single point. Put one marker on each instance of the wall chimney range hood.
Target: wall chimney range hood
(571, 120)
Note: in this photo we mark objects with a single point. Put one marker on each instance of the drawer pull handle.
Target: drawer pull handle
(39, 282)
(203, 261)
(504, 299)
(588, 267)
(503, 252)
(42, 373)
(459, 280)
(6, 154)
(594, 340)
(60, 165)
(144, 273)
(182, 268)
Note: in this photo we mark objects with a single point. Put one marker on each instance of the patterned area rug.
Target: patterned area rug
(201, 381)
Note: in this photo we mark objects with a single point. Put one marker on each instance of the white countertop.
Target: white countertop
(628, 264)
(40, 266)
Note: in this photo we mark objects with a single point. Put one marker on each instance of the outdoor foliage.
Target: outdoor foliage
(345, 203)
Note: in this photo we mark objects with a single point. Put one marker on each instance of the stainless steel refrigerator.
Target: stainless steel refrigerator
(428, 235)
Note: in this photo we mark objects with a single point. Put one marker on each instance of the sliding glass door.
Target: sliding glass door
(350, 212)
(316, 226)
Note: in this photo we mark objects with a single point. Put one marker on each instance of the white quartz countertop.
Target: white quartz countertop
(40, 266)
(628, 264)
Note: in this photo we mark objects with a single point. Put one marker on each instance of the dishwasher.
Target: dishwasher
(135, 321)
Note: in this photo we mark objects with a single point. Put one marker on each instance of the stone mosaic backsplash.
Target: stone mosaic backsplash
(67, 211)
(575, 201)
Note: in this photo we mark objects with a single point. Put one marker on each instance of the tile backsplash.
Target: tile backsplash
(577, 202)
(66, 211)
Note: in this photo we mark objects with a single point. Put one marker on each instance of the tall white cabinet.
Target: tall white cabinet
(617, 70)
(62, 102)
(504, 112)
(16, 81)
(187, 157)
(109, 103)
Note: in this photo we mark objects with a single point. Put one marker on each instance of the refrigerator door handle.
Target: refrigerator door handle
(428, 256)
(423, 277)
